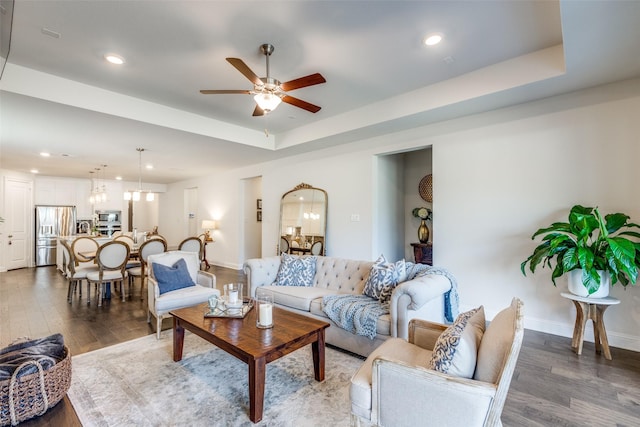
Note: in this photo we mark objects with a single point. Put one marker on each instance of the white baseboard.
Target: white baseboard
(628, 342)
(619, 340)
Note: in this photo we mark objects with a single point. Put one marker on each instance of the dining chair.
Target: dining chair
(150, 247)
(156, 237)
(284, 245)
(84, 245)
(112, 260)
(316, 248)
(192, 244)
(133, 251)
(74, 274)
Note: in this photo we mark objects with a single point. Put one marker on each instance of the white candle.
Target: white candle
(265, 314)
(233, 297)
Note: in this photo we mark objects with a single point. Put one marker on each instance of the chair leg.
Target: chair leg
(88, 292)
(99, 290)
(69, 291)
(158, 326)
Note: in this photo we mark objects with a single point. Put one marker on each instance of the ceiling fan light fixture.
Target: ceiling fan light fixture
(114, 59)
(433, 39)
(267, 101)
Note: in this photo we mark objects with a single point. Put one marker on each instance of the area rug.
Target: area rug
(137, 383)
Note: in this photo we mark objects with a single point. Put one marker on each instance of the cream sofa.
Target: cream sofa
(421, 298)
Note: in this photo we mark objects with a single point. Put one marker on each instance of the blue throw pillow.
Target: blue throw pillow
(172, 278)
(296, 271)
(383, 278)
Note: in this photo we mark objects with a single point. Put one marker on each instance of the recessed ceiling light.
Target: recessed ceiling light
(118, 178)
(114, 59)
(34, 170)
(45, 154)
(433, 39)
(149, 166)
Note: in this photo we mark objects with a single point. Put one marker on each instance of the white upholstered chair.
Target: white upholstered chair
(75, 274)
(112, 260)
(394, 387)
(316, 248)
(192, 244)
(284, 245)
(150, 247)
(84, 245)
(159, 305)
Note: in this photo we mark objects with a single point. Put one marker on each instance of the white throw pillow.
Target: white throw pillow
(456, 350)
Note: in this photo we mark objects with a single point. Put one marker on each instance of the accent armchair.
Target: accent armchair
(395, 388)
(161, 303)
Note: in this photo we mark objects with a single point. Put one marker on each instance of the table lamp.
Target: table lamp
(207, 226)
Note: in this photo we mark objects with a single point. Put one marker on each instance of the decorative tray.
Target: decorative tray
(222, 309)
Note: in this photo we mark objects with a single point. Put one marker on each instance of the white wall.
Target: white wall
(498, 177)
(417, 164)
(252, 229)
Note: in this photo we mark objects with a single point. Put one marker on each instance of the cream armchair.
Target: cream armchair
(394, 388)
(161, 304)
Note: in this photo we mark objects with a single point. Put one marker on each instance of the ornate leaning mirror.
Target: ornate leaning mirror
(303, 221)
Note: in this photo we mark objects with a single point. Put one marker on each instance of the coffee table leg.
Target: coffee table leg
(317, 348)
(178, 340)
(257, 371)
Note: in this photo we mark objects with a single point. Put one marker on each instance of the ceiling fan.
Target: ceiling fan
(269, 92)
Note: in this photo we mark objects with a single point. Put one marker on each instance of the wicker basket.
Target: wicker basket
(27, 395)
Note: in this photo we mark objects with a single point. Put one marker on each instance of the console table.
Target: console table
(423, 253)
(590, 308)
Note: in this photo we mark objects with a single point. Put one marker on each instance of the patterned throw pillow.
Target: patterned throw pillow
(383, 278)
(456, 350)
(172, 278)
(296, 271)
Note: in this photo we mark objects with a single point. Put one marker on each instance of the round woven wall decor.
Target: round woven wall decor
(425, 188)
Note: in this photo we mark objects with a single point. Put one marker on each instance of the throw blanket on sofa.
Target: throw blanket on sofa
(357, 314)
(451, 297)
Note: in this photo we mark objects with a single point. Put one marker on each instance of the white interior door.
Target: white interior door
(18, 223)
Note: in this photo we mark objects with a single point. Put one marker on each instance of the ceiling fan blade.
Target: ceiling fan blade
(245, 70)
(310, 80)
(300, 103)
(258, 111)
(222, 92)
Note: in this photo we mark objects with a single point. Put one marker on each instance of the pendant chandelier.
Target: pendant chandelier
(135, 195)
(98, 192)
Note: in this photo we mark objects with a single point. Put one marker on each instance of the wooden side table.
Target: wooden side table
(591, 308)
(423, 253)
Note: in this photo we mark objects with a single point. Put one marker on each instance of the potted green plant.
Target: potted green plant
(591, 248)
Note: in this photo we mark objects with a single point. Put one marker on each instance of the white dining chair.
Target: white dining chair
(75, 274)
(150, 247)
(84, 245)
(192, 244)
(112, 260)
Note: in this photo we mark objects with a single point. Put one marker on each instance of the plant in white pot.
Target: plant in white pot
(592, 249)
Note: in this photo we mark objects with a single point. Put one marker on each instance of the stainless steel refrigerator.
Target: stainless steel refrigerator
(51, 223)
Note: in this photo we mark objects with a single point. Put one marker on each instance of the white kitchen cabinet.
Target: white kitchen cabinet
(83, 192)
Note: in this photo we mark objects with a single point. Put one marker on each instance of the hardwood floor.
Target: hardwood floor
(551, 386)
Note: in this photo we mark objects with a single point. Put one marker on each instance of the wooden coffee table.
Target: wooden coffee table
(255, 347)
